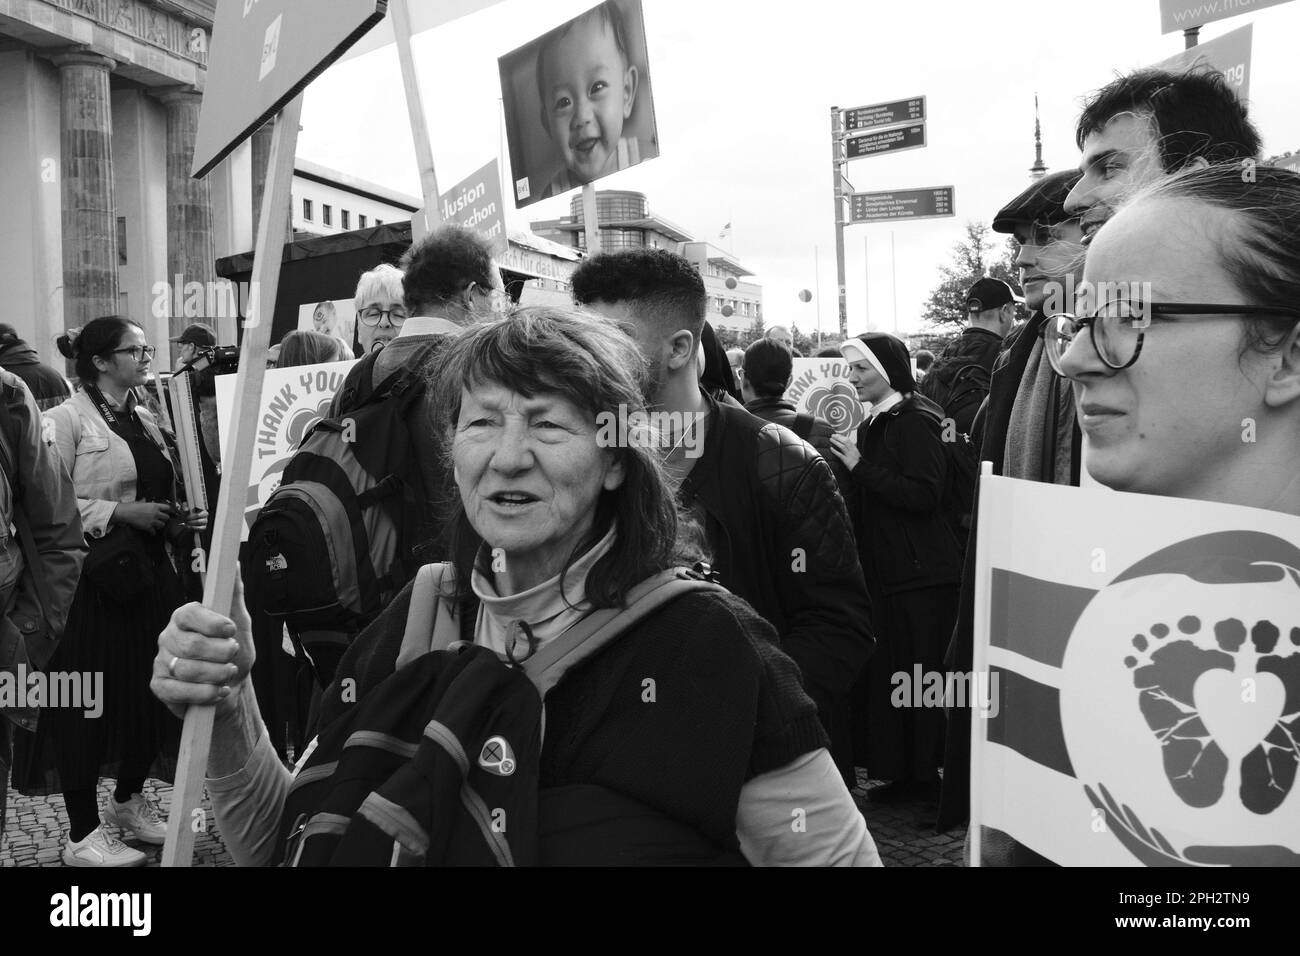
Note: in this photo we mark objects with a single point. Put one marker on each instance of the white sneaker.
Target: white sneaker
(100, 849)
(136, 817)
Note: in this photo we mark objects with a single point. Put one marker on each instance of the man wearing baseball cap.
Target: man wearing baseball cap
(1029, 431)
(194, 338)
(959, 378)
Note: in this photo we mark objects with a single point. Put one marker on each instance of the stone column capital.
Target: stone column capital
(83, 56)
(186, 94)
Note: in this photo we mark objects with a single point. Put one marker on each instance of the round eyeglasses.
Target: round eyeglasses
(371, 315)
(1117, 329)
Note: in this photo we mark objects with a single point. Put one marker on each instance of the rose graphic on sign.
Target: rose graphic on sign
(838, 405)
(1200, 642)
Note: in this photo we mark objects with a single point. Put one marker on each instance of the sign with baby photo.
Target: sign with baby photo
(293, 399)
(336, 317)
(578, 103)
(821, 387)
(1144, 657)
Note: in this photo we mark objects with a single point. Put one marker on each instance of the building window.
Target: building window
(378, 221)
(121, 242)
(345, 219)
(361, 221)
(327, 214)
(307, 210)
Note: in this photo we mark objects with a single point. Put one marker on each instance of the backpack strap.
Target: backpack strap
(803, 425)
(430, 624)
(585, 638)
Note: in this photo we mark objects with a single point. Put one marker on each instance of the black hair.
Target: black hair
(1195, 114)
(768, 366)
(664, 285)
(441, 266)
(9, 336)
(829, 352)
(924, 359)
(97, 337)
(611, 17)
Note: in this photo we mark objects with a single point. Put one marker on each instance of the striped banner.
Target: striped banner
(1145, 656)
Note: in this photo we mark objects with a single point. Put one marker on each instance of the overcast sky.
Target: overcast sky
(742, 96)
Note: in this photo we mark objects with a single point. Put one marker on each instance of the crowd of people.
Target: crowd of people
(728, 723)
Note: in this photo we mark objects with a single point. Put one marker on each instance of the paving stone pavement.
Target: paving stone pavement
(35, 830)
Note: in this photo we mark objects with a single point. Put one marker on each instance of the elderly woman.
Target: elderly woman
(381, 308)
(551, 524)
(1165, 388)
(127, 491)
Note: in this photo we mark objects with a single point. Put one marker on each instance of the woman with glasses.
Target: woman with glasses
(130, 506)
(1186, 364)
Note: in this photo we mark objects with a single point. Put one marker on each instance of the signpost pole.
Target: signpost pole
(218, 590)
(866, 282)
(590, 222)
(1190, 37)
(419, 126)
(837, 161)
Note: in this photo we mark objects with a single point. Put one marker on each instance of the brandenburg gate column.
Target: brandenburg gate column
(190, 251)
(89, 211)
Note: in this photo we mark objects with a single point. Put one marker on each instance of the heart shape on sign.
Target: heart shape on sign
(1238, 724)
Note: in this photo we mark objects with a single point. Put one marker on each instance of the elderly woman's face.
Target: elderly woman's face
(372, 337)
(529, 472)
(1171, 423)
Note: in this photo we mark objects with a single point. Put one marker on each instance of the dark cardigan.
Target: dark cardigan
(725, 705)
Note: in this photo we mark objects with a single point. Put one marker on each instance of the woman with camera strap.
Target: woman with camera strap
(127, 491)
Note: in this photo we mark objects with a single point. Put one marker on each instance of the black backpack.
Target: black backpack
(337, 539)
(439, 762)
(963, 461)
(958, 387)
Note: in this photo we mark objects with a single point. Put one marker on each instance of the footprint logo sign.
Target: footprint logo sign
(1180, 702)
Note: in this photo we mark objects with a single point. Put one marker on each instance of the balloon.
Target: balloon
(805, 295)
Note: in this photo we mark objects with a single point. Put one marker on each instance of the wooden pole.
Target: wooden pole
(218, 591)
(431, 213)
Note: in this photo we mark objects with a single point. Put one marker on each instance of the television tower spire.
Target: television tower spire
(1038, 170)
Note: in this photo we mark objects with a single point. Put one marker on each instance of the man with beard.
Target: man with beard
(766, 502)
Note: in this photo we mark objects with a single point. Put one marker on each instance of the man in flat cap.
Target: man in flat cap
(1028, 424)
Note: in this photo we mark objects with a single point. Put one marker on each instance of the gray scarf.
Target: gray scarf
(1031, 437)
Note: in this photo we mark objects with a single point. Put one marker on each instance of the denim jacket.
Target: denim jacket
(101, 463)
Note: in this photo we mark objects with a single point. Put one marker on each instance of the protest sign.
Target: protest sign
(1229, 54)
(820, 387)
(293, 399)
(336, 317)
(475, 203)
(1178, 15)
(578, 103)
(1145, 658)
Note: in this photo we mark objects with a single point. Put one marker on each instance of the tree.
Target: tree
(804, 344)
(973, 258)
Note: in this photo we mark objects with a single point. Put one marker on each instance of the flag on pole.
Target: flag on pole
(1143, 655)
(726, 231)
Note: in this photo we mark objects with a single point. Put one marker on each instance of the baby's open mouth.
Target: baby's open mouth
(585, 146)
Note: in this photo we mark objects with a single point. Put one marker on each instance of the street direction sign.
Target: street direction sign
(885, 114)
(935, 202)
(885, 141)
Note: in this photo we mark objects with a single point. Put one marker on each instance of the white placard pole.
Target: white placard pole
(428, 218)
(219, 587)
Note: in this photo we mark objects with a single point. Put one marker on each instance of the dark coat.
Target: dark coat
(47, 386)
(954, 804)
(784, 413)
(781, 539)
(895, 498)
